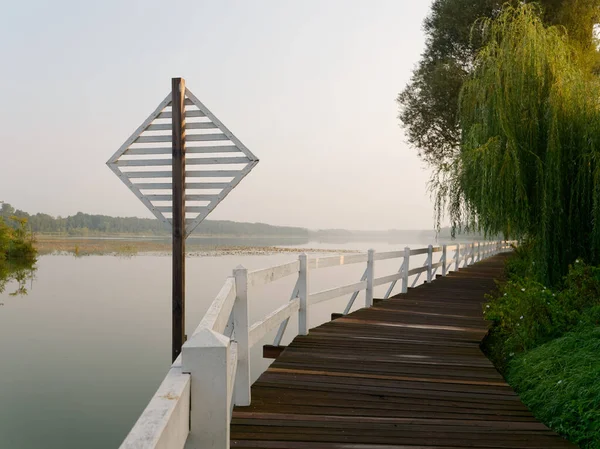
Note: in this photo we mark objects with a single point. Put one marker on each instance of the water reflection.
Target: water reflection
(20, 272)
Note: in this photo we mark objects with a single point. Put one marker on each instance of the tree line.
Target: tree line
(82, 224)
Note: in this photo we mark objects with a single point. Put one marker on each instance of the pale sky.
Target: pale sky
(309, 86)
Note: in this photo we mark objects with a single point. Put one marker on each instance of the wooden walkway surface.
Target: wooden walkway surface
(407, 373)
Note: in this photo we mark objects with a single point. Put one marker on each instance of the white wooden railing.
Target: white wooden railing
(193, 405)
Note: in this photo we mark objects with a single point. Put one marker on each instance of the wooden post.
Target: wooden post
(178, 122)
(206, 357)
(370, 278)
(457, 261)
(303, 286)
(241, 324)
(429, 263)
(444, 255)
(405, 265)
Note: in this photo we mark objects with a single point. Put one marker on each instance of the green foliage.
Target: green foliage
(546, 343)
(16, 242)
(559, 382)
(429, 103)
(523, 315)
(82, 224)
(527, 314)
(530, 126)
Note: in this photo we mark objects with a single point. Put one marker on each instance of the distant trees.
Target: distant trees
(82, 224)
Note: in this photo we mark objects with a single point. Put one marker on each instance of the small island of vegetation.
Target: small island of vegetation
(17, 253)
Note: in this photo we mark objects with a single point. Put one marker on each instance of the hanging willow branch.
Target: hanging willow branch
(530, 129)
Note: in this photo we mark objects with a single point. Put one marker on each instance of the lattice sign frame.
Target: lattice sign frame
(212, 151)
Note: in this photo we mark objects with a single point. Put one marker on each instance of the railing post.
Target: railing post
(478, 251)
(405, 266)
(457, 260)
(370, 277)
(205, 357)
(444, 256)
(429, 263)
(241, 326)
(303, 282)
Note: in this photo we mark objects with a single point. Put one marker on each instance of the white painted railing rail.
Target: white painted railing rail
(192, 407)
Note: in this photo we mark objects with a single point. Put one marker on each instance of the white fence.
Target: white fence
(192, 407)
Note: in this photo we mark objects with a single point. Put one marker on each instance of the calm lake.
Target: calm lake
(83, 352)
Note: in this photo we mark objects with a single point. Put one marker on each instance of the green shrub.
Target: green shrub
(521, 263)
(546, 342)
(527, 314)
(16, 243)
(560, 382)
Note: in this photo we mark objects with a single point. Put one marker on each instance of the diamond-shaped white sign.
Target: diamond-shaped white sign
(216, 161)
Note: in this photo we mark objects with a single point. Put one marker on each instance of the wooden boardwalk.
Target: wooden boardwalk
(407, 373)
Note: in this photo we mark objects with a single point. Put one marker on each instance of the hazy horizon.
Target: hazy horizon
(309, 87)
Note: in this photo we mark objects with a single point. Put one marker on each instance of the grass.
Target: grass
(546, 343)
(560, 382)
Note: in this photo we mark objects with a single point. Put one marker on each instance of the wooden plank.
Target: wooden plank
(389, 255)
(217, 315)
(213, 174)
(164, 424)
(336, 292)
(217, 160)
(261, 328)
(387, 279)
(213, 149)
(190, 138)
(148, 174)
(334, 261)
(188, 113)
(154, 186)
(136, 151)
(189, 161)
(206, 137)
(272, 352)
(205, 185)
(265, 276)
(232, 372)
(144, 162)
(166, 197)
(188, 125)
(417, 270)
(416, 252)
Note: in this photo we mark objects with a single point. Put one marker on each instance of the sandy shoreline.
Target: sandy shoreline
(139, 247)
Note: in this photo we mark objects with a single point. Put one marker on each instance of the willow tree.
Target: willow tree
(530, 141)
(429, 102)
